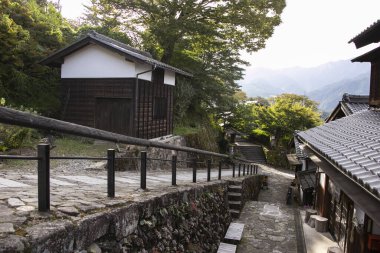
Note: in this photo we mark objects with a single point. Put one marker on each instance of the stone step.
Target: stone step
(235, 205)
(234, 213)
(226, 248)
(234, 188)
(234, 233)
(234, 196)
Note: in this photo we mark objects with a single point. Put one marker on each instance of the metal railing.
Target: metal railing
(13, 117)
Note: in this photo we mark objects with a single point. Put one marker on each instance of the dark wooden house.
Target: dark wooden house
(111, 86)
(346, 150)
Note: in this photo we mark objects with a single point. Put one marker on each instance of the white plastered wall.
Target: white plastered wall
(140, 67)
(94, 61)
(169, 77)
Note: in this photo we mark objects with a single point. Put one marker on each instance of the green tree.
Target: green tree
(30, 31)
(286, 113)
(204, 37)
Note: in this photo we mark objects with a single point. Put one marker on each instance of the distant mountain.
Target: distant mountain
(331, 94)
(268, 82)
(325, 83)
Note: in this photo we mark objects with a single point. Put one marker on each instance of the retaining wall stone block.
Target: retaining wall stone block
(91, 228)
(51, 237)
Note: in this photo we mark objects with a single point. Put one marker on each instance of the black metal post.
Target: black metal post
(43, 152)
(239, 170)
(256, 167)
(111, 173)
(233, 170)
(251, 167)
(194, 164)
(208, 170)
(143, 169)
(243, 169)
(220, 171)
(174, 170)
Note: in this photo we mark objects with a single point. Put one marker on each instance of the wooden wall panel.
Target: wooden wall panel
(78, 96)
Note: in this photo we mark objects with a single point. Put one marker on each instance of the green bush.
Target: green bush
(13, 137)
(277, 158)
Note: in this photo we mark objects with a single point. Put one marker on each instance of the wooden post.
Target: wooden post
(194, 170)
(220, 171)
(239, 170)
(111, 173)
(174, 170)
(243, 169)
(143, 170)
(43, 152)
(208, 170)
(321, 224)
(233, 170)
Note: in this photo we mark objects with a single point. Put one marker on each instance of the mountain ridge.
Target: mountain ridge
(325, 83)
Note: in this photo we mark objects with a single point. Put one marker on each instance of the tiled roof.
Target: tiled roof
(354, 103)
(299, 152)
(306, 178)
(352, 144)
(348, 105)
(94, 37)
(369, 35)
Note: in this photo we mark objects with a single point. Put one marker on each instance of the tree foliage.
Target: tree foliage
(204, 37)
(29, 31)
(286, 114)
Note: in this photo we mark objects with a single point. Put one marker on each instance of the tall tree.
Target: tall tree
(204, 37)
(286, 113)
(29, 31)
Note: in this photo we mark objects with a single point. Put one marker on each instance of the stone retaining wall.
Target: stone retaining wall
(189, 219)
(156, 153)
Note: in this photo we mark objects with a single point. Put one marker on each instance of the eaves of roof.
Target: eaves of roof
(56, 59)
(370, 56)
(370, 35)
(352, 145)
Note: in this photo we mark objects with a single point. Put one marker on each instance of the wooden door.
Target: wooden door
(114, 115)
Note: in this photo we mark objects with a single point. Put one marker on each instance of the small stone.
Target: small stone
(6, 228)
(12, 243)
(25, 208)
(17, 220)
(85, 208)
(94, 248)
(70, 210)
(276, 238)
(15, 202)
(97, 166)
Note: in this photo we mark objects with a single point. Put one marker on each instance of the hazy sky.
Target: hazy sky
(312, 32)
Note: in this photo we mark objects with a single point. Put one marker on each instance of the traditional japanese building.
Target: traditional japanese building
(109, 85)
(346, 151)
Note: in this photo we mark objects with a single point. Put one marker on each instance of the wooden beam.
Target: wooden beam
(14, 117)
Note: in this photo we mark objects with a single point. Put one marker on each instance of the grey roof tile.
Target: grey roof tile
(352, 143)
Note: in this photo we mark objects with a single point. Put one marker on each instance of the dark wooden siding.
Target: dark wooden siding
(374, 94)
(79, 103)
(148, 125)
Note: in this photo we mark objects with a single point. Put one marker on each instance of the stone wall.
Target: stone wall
(190, 218)
(191, 221)
(131, 151)
(250, 187)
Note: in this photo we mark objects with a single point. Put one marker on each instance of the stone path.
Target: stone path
(269, 222)
(75, 191)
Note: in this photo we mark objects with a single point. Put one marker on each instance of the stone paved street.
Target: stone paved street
(78, 190)
(269, 222)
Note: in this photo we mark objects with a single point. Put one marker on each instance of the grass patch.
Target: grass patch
(71, 146)
(185, 130)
